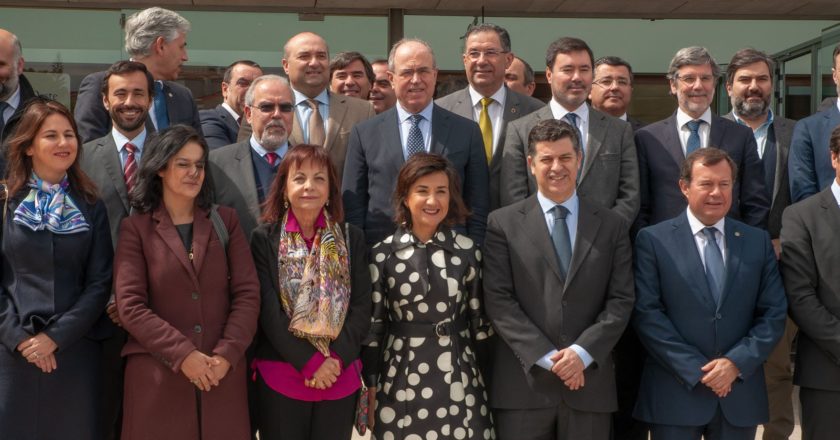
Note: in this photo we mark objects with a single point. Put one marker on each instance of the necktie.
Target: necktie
(714, 263)
(130, 168)
(560, 238)
(316, 124)
(694, 138)
(272, 158)
(3, 106)
(161, 115)
(572, 119)
(415, 142)
(486, 127)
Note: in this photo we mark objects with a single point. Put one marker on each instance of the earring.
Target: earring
(286, 204)
(327, 204)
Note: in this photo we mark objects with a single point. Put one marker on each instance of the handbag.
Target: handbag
(361, 417)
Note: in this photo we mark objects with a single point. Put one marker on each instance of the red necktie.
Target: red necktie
(272, 158)
(130, 166)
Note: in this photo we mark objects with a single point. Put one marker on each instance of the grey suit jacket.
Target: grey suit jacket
(517, 105)
(234, 183)
(94, 121)
(780, 198)
(219, 127)
(101, 162)
(610, 175)
(535, 310)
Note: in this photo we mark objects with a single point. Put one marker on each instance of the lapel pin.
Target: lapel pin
(513, 109)
(737, 234)
(170, 94)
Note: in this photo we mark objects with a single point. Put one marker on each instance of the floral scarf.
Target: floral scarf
(48, 206)
(314, 284)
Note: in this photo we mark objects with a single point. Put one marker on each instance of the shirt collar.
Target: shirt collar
(623, 117)
(697, 226)
(559, 111)
(426, 113)
(683, 117)
(837, 102)
(120, 139)
(281, 150)
(546, 204)
(760, 127)
(499, 96)
(14, 100)
(230, 110)
(292, 224)
(835, 189)
(444, 238)
(323, 98)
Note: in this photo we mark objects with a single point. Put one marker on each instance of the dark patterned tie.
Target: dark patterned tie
(714, 263)
(694, 138)
(561, 239)
(415, 142)
(130, 166)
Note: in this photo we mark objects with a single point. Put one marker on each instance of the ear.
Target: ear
(286, 66)
(684, 186)
(158, 45)
(105, 102)
(673, 85)
(248, 113)
(508, 60)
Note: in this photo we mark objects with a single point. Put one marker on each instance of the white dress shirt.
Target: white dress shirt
(495, 109)
(425, 126)
(582, 121)
(835, 189)
(231, 111)
(700, 238)
(704, 130)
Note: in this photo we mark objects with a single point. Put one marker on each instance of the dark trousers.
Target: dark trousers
(629, 356)
(558, 423)
(717, 429)
(283, 418)
(113, 371)
(820, 414)
(778, 374)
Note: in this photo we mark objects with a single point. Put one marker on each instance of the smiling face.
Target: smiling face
(414, 76)
(485, 62)
(351, 81)
(307, 188)
(751, 89)
(570, 78)
(381, 93)
(611, 90)
(128, 102)
(554, 166)
(307, 63)
(184, 173)
(709, 192)
(694, 87)
(428, 202)
(53, 149)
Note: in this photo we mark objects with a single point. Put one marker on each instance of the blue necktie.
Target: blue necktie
(714, 263)
(560, 238)
(694, 138)
(415, 142)
(161, 116)
(572, 119)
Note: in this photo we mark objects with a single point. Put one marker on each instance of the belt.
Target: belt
(426, 329)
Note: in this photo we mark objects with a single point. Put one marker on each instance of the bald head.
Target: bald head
(11, 64)
(413, 73)
(306, 60)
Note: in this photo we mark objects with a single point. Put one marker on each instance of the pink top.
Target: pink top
(285, 379)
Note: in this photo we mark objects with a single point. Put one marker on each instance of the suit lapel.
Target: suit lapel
(296, 136)
(716, 132)
(166, 229)
(390, 131)
(230, 122)
(688, 260)
(509, 113)
(780, 130)
(201, 237)
(464, 106)
(597, 132)
(671, 140)
(338, 110)
(534, 220)
(440, 130)
(588, 224)
(248, 185)
(734, 249)
(107, 154)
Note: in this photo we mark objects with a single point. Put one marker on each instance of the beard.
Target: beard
(273, 139)
(8, 87)
(124, 124)
(750, 110)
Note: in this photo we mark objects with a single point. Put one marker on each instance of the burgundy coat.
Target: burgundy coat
(171, 306)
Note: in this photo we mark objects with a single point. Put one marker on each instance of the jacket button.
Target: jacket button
(718, 316)
(563, 303)
(197, 328)
(195, 295)
(562, 337)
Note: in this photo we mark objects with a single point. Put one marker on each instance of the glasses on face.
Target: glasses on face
(270, 108)
(608, 82)
(489, 54)
(690, 80)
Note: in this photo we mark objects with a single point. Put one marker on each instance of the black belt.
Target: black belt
(426, 329)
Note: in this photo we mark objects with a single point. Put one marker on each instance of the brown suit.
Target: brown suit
(171, 306)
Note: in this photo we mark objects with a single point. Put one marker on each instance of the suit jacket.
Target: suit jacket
(683, 328)
(234, 183)
(809, 164)
(635, 124)
(345, 113)
(610, 174)
(374, 159)
(517, 105)
(535, 310)
(809, 264)
(26, 93)
(94, 121)
(101, 162)
(219, 127)
(661, 156)
(780, 193)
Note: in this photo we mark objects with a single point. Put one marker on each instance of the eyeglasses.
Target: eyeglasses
(269, 108)
(608, 82)
(489, 54)
(690, 80)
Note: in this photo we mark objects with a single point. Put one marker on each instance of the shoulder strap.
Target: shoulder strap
(219, 227)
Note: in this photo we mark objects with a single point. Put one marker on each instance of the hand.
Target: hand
(567, 364)
(371, 406)
(37, 347)
(197, 368)
(327, 374)
(220, 367)
(720, 373)
(575, 382)
(777, 247)
(111, 309)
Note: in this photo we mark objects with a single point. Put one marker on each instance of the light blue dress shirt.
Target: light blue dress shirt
(303, 111)
(281, 150)
(120, 140)
(425, 127)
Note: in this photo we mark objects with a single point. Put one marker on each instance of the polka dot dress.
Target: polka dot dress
(429, 388)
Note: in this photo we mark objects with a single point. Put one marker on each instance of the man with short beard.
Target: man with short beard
(15, 89)
(243, 172)
(749, 82)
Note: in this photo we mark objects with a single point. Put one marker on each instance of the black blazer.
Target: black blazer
(661, 156)
(94, 121)
(274, 340)
(219, 127)
(374, 159)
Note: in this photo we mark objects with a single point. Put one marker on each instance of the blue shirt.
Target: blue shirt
(304, 111)
(281, 150)
(759, 133)
(425, 126)
(121, 140)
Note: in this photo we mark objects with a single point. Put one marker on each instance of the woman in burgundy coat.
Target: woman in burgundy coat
(190, 306)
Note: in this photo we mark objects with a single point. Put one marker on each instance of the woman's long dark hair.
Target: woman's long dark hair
(147, 193)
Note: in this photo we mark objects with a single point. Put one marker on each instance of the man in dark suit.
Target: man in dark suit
(662, 146)
(15, 89)
(810, 164)
(810, 247)
(710, 307)
(749, 82)
(487, 52)
(379, 147)
(220, 125)
(382, 95)
(612, 89)
(148, 40)
(112, 162)
(243, 172)
(558, 288)
(519, 77)
(609, 174)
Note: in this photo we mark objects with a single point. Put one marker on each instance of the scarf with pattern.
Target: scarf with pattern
(49, 206)
(314, 284)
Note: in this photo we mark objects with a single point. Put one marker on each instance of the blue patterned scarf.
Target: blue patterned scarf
(48, 206)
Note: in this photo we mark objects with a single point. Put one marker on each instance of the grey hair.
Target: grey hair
(692, 56)
(144, 27)
(502, 33)
(409, 40)
(249, 95)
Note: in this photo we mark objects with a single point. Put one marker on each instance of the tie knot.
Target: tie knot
(560, 212)
(271, 157)
(130, 148)
(694, 125)
(485, 102)
(313, 104)
(710, 234)
(571, 118)
(415, 119)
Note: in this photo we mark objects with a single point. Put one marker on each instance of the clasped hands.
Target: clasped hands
(39, 350)
(204, 371)
(720, 373)
(326, 375)
(569, 367)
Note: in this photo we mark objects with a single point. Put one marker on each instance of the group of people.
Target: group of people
(483, 264)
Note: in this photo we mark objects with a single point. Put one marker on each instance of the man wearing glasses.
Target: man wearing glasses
(612, 89)
(487, 100)
(662, 146)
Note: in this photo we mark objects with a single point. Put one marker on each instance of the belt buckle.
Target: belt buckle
(441, 330)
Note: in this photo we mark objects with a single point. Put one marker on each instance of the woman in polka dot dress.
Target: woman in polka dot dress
(427, 315)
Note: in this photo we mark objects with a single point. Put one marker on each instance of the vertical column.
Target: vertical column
(396, 26)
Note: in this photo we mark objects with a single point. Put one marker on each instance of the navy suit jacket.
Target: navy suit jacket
(809, 162)
(661, 156)
(682, 327)
(219, 127)
(374, 159)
